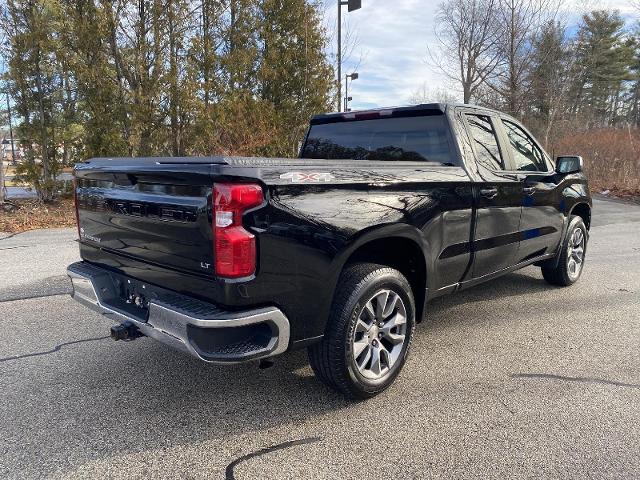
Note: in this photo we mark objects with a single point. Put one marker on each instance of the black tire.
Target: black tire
(557, 271)
(332, 358)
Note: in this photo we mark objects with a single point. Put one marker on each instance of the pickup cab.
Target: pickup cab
(338, 251)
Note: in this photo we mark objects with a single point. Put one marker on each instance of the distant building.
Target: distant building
(6, 153)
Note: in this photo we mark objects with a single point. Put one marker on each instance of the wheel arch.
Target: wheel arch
(583, 210)
(399, 247)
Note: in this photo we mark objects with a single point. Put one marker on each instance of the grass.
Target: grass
(23, 215)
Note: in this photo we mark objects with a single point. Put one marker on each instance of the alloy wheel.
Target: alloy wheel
(379, 335)
(575, 253)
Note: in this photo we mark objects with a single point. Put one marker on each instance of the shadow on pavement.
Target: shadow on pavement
(103, 399)
(512, 285)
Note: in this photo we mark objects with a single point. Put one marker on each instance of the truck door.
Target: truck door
(497, 196)
(542, 219)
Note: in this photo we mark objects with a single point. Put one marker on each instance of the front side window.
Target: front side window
(485, 142)
(527, 156)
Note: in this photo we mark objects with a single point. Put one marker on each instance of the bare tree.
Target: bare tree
(424, 94)
(467, 35)
(519, 21)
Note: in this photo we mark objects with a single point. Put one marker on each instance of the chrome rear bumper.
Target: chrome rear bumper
(199, 328)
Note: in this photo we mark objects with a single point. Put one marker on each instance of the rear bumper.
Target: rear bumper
(199, 328)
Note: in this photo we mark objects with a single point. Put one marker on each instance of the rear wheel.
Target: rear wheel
(566, 271)
(369, 332)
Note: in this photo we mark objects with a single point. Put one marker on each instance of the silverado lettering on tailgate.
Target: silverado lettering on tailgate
(97, 203)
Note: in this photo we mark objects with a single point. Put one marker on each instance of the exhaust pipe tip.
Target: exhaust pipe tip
(125, 331)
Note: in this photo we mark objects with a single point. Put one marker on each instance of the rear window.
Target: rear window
(423, 139)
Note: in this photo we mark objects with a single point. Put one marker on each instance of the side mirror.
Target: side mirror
(569, 164)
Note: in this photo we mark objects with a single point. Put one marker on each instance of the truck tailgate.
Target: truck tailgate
(155, 213)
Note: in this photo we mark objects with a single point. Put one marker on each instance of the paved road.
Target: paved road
(510, 379)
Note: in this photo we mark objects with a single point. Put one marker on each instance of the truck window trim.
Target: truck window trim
(496, 133)
(504, 141)
(514, 132)
(511, 162)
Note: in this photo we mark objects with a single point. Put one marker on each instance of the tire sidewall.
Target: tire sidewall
(390, 280)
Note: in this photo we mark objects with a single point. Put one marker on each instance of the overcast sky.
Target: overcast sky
(393, 36)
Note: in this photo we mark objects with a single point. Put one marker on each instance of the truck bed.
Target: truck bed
(150, 218)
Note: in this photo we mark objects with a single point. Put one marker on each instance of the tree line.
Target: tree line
(161, 77)
(520, 57)
(204, 77)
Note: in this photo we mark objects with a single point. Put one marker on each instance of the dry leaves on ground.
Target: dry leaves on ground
(31, 214)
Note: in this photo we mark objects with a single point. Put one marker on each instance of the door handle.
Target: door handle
(489, 192)
(529, 190)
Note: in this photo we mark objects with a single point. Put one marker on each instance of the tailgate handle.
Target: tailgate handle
(529, 190)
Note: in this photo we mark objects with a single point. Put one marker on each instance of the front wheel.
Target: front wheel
(566, 271)
(369, 332)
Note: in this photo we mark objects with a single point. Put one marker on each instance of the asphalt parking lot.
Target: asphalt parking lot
(511, 379)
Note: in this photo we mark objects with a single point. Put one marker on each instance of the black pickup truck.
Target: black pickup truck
(233, 259)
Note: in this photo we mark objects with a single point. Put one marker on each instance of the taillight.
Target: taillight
(75, 201)
(234, 247)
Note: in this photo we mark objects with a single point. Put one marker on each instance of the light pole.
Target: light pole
(3, 188)
(351, 6)
(347, 98)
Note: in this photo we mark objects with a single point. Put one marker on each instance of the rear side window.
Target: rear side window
(527, 156)
(423, 139)
(485, 142)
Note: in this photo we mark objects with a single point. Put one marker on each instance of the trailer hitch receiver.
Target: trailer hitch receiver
(125, 331)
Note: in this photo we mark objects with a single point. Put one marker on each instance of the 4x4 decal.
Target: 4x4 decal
(307, 177)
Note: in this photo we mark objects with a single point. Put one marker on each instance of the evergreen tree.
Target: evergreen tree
(603, 61)
(549, 78)
(162, 77)
(633, 98)
(294, 75)
(38, 85)
(103, 126)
